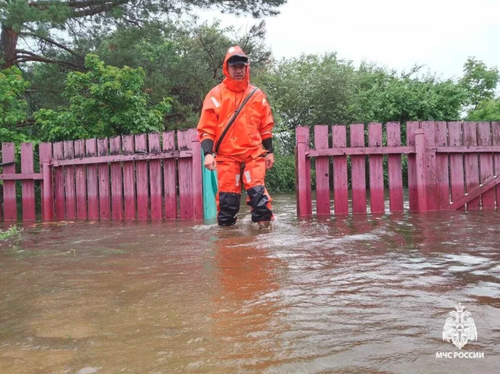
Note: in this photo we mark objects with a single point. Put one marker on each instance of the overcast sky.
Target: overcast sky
(440, 34)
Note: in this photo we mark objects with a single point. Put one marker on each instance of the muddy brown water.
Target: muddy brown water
(359, 294)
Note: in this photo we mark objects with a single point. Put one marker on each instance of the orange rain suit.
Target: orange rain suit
(240, 156)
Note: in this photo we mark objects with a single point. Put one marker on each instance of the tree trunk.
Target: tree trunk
(8, 47)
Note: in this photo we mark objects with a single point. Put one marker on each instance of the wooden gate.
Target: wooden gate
(128, 177)
(450, 166)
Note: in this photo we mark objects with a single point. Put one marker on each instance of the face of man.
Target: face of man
(237, 72)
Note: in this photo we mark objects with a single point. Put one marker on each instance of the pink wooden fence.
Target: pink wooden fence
(450, 166)
(128, 177)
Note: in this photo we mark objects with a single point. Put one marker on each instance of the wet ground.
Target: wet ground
(361, 294)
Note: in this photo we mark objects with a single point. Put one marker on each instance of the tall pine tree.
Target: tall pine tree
(41, 24)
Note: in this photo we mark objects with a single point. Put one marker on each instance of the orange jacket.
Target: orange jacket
(253, 124)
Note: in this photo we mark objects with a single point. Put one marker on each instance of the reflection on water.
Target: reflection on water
(341, 295)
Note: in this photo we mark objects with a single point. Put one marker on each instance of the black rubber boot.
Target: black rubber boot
(229, 205)
(258, 201)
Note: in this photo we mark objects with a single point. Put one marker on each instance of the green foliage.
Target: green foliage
(39, 22)
(310, 90)
(479, 81)
(384, 96)
(281, 178)
(175, 63)
(487, 110)
(181, 60)
(10, 232)
(324, 90)
(17, 13)
(104, 101)
(13, 107)
(47, 87)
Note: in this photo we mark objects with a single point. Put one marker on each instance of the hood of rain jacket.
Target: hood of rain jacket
(230, 83)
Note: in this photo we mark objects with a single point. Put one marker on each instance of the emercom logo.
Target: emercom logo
(459, 328)
(459, 354)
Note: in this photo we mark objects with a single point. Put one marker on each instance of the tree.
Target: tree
(13, 107)
(104, 101)
(310, 90)
(487, 110)
(315, 90)
(386, 96)
(479, 82)
(181, 60)
(38, 21)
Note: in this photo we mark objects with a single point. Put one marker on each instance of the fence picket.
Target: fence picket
(46, 186)
(92, 181)
(170, 177)
(358, 170)
(141, 169)
(59, 183)
(411, 127)
(303, 172)
(116, 181)
(80, 180)
(322, 172)
(340, 185)
(28, 186)
(471, 164)
(495, 135)
(9, 187)
(456, 162)
(69, 181)
(103, 169)
(196, 175)
(442, 175)
(155, 178)
(430, 164)
(395, 168)
(421, 169)
(185, 178)
(485, 164)
(129, 178)
(376, 165)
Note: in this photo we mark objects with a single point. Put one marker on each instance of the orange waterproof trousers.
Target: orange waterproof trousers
(231, 175)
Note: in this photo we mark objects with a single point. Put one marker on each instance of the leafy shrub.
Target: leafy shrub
(104, 101)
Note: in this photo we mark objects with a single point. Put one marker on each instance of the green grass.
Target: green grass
(10, 232)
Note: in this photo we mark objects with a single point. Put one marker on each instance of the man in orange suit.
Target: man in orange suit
(235, 131)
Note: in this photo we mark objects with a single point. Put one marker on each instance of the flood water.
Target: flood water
(359, 294)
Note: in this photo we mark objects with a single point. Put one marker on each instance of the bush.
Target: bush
(13, 107)
(281, 178)
(104, 101)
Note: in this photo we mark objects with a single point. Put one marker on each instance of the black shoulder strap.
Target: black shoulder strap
(233, 118)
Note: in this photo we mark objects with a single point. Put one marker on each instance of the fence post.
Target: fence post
(28, 186)
(9, 186)
(322, 172)
(303, 172)
(45, 153)
(197, 175)
(421, 170)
